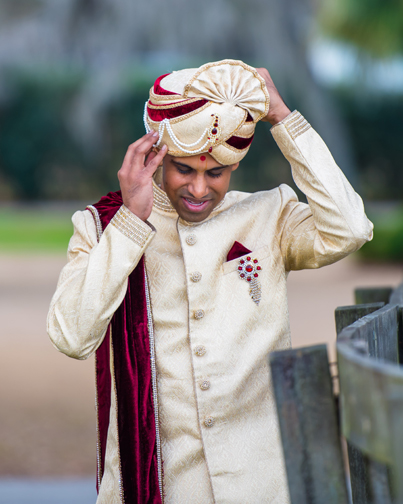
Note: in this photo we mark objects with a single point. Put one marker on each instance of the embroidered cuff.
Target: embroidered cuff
(295, 124)
(131, 226)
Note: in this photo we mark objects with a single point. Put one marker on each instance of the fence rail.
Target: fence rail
(367, 413)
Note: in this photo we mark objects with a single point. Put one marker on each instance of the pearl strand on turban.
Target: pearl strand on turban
(220, 102)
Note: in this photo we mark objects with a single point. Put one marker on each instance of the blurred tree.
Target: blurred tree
(373, 25)
(106, 40)
(34, 139)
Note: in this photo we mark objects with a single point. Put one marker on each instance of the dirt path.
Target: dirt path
(47, 417)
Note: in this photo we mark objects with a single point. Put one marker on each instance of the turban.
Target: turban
(211, 109)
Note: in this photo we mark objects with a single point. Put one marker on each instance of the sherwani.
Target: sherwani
(217, 415)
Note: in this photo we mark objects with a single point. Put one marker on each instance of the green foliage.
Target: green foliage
(387, 244)
(42, 159)
(376, 130)
(34, 138)
(374, 25)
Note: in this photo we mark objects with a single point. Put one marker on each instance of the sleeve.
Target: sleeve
(93, 283)
(333, 224)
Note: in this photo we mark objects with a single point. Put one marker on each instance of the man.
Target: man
(180, 288)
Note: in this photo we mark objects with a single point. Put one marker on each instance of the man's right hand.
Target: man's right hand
(135, 175)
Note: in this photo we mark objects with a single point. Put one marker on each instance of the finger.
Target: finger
(143, 149)
(146, 143)
(150, 157)
(263, 72)
(156, 160)
(132, 149)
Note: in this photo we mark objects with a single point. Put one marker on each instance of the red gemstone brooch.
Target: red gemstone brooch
(249, 270)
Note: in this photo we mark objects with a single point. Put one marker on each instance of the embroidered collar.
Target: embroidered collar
(161, 200)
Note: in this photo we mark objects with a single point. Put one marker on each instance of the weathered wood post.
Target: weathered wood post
(371, 405)
(308, 425)
(377, 337)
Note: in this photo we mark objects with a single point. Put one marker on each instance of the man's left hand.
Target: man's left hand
(278, 110)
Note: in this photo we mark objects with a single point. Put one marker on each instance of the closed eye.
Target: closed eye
(184, 171)
(213, 174)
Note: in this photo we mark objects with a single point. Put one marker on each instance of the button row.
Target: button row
(200, 350)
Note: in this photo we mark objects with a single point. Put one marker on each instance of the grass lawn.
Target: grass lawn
(27, 229)
(48, 229)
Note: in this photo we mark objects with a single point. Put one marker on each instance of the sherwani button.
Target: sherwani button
(200, 350)
(196, 276)
(205, 385)
(191, 239)
(198, 314)
(209, 421)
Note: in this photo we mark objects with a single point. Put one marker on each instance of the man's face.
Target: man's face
(195, 185)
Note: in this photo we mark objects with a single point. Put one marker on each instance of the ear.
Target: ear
(234, 166)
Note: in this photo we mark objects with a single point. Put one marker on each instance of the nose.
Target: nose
(198, 187)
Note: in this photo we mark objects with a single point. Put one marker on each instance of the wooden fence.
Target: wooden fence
(363, 412)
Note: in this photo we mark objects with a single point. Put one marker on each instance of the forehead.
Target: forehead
(200, 161)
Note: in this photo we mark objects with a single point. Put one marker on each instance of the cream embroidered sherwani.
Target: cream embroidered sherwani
(219, 432)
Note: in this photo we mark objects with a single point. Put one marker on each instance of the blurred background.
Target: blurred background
(74, 76)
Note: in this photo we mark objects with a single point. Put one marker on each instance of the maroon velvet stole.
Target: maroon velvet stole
(133, 380)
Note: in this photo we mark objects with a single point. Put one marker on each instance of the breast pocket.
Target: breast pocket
(255, 261)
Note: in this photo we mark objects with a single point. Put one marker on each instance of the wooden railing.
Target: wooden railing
(366, 410)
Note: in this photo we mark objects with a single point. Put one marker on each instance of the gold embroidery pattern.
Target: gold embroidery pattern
(234, 63)
(296, 124)
(179, 103)
(234, 149)
(98, 226)
(161, 200)
(153, 364)
(243, 136)
(131, 226)
(97, 220)
(99, 467)
(180, 118)
(113, 379)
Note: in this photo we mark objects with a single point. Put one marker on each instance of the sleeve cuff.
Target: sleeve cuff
(295, 123)
(131, 226)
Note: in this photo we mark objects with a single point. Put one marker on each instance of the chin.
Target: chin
(193, 217)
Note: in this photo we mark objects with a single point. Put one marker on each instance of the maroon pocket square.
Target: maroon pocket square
(237, 250)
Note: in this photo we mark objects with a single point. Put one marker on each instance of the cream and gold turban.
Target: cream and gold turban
(211, 109)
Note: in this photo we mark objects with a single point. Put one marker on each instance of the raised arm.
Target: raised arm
(333, 224)
(93, 283)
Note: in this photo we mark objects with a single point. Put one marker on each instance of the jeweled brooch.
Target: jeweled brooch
(248, 270)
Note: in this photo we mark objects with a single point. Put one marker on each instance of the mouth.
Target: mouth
(195, 206)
